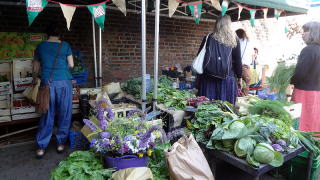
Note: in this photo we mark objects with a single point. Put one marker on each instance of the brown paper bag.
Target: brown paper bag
(186, 161)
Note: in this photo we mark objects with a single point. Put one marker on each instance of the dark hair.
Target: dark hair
(256, 49)
(241, 33)
(53, 30)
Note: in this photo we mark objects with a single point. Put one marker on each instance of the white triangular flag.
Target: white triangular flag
(216, 4)
(121, 4)
(265, 12)
(240, 10)
(68, 12)
(173, 4)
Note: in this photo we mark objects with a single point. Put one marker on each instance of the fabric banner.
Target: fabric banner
(277, 13)
(240, 10)
(216, 4)
(265, 12)
(99, 13)
(34, 7)
(196, 11)
(172, 4)
(224, 7)
(68, 12)
(252, 16)
(121, 4)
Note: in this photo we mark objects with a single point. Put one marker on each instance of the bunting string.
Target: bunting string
(84, 5)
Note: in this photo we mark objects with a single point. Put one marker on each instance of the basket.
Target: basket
(80, 78)
(299, 167)
(77, 140)
(126, 161)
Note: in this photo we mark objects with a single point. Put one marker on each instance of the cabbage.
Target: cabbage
(263, 153)
(228, 143)
(244, 146)
(236, 125)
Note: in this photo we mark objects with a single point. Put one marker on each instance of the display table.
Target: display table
(254, 171)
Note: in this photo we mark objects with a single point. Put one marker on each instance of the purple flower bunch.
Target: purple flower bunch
(90, 125)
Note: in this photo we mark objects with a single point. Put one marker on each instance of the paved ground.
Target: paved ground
(17, 162)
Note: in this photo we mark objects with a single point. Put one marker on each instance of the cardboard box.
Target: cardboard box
(25, 116)
(23, 110)
(5, 119)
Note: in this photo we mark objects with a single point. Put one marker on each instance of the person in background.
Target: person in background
(222, 39)
(52, 59)
(306, 78)
(246, 58)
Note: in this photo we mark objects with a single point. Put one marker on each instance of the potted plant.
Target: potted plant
(124, 141)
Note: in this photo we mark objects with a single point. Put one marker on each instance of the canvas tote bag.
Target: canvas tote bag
(186, 161)
(197, 63)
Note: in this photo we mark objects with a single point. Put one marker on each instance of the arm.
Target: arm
(202, 43)
(70, 61)
(236, 60)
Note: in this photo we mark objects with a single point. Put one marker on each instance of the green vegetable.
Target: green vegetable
(228, 143)
(264, 153)
(81, 165)
(280, 79)
(157, 162)
(236, 125)
(244, 146)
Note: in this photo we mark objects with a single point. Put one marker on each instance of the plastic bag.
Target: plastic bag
(32, 92)
(186, 161)
(197, 63)
(138, 173)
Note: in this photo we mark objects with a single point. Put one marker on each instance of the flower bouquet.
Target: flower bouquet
(125, 141)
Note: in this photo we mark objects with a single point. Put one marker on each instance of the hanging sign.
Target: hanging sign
(34, 7)
(173, 5)
(224, 7)
(240, 10)
(196, 11)
(99, 13)
(121, 4)
(216, 4)
(68, 12)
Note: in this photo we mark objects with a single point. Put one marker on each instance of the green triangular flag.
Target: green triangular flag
(224, 7)
(99, 13)
(196, 11)
(277, 13)
(286, 30)
(252, 17)
(34, 7)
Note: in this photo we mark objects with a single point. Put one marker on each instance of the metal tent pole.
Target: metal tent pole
(94, 54)
(156, 54)
(143, 53)
(100, 58)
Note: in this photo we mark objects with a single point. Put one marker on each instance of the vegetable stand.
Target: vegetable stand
(243, 165)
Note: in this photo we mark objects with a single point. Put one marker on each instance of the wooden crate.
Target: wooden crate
(22, 72)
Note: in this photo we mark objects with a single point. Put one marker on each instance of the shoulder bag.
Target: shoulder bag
(197, 63)
(43, 96)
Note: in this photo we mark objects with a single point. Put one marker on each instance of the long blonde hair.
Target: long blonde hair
(223, 32)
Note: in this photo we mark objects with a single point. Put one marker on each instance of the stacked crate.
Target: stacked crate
(5, 91)
(75, 100)
(21, 108)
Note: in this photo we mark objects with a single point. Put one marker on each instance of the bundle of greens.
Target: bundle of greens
(280, 79)
(81, 165)
(157, 162)
(133, 86)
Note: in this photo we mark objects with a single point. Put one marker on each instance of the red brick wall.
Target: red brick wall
(179, 38)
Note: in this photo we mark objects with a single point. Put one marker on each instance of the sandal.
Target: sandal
(40, 153)
(60, 149)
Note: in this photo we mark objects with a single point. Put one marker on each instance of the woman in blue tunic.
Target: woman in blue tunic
(221, 45)
(54, 58)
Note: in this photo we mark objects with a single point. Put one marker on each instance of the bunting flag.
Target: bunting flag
(121, 4)
(277, 13)
(99, 13)
(34, 7)
(173, 5)
(265, 12)
(240, 10)
(196, 11)
(216, 4)
(68, 12)
(252, 16)
(224, 7)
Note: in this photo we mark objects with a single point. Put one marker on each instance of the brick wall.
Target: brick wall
(179, 38)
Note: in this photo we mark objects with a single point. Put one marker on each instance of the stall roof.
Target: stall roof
(298, 6)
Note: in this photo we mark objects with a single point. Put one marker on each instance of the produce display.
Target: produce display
(196, 101)
(260, 138)
(81, 165)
